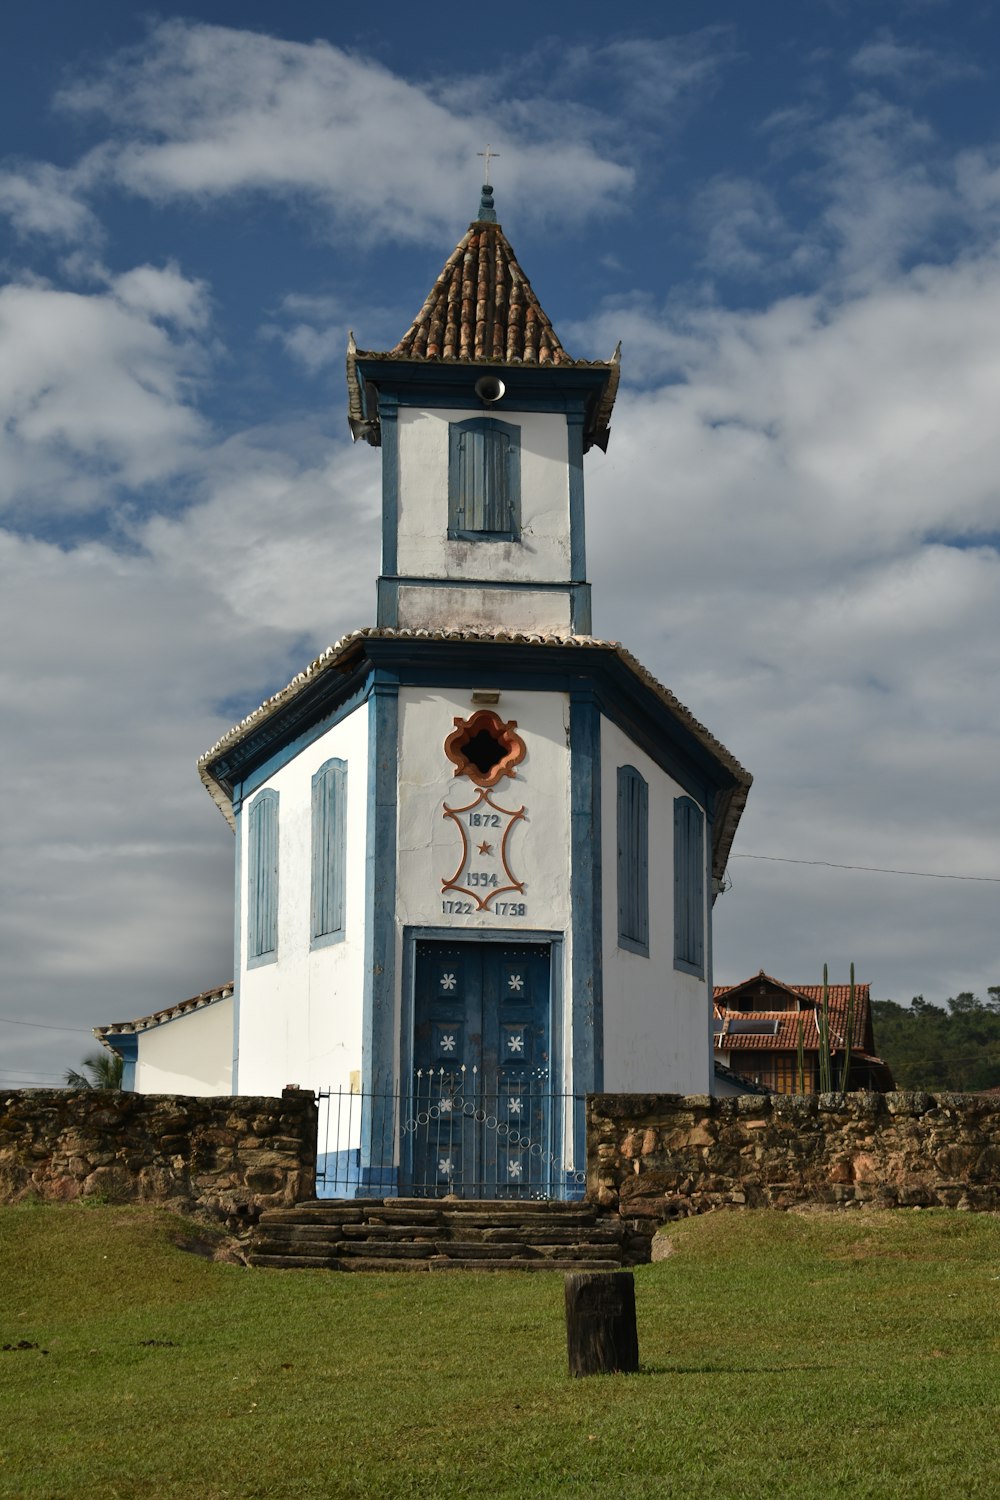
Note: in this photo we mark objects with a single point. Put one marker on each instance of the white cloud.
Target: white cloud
(805, 559)
(40, 199)
(906, 62)
(96, 389)
(203, 111)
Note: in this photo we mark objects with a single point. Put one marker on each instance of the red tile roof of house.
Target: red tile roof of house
(808, 999)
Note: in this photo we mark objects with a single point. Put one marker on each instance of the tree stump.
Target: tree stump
(601, 1336)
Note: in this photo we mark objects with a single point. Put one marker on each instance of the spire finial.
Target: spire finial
(489, 155)
(487, 213)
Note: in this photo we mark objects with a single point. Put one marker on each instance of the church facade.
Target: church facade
(474, 844)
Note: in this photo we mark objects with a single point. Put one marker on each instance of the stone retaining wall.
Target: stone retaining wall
(657, 1156)
(227, 1157)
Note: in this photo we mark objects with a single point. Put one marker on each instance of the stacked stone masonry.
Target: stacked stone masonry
(225, 1157)
(656, 1157)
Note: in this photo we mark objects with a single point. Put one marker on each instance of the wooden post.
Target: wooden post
(601, 1336)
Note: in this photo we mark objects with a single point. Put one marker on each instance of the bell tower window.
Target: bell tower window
(484, 480)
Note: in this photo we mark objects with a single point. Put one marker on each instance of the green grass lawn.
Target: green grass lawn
(792, 1355)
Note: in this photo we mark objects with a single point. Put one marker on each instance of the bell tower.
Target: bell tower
(483, 420)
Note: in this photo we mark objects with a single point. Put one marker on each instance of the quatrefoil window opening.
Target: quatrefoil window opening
(485, 748)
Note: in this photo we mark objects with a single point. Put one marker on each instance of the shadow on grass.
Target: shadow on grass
(728, 1369)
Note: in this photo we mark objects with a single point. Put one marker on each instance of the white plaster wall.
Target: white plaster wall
(656, 1018)
(424, 550)
(430, 845)
(192, 1054)
(427, 608)
(300, 1017)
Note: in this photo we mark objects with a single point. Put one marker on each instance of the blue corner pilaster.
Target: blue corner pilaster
(388, 410)
(378, 1026)
(127, 1048)
(587, 1004)
(577, 529)
(237, 947)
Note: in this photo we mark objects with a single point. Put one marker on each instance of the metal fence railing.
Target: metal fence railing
(453, 1133)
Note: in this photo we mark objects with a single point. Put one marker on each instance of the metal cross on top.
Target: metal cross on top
(489, 154)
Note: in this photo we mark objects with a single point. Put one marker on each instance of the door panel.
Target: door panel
(478, 1124)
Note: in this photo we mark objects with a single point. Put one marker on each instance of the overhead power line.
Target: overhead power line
(830, 864)
(40, 1026)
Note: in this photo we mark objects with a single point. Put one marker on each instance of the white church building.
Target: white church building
(476, 847)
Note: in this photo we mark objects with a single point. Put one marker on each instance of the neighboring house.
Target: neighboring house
(757, 1026)
(474, 844)
(162, 1056)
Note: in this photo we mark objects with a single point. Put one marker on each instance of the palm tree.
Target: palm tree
(101, 1070)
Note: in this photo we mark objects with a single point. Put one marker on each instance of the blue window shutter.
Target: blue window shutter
(329, 851)
(484, 480)
(633, 861)
(689, 886)
(262, 878)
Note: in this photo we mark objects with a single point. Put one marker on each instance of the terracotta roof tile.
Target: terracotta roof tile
(482, 309)
(170, 1013)
(787, 1035)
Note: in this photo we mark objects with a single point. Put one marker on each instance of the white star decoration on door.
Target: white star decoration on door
(444, 1166)
(515, 1043)
(514, 1106)
(447, 981)
(514, 1168)
(516, 982)
(447, 1044)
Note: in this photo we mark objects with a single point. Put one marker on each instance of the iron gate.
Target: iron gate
(453, 1133)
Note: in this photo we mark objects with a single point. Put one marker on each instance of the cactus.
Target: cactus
(848, 1038)
(825, 1070)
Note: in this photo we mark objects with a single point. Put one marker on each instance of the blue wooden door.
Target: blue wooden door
(479, 1117)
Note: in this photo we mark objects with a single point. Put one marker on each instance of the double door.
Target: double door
(479, 1118)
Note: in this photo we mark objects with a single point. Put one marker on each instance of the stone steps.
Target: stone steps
(394, 1234)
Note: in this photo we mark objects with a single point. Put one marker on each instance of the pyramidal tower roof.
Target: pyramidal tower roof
(482, 309)
(482, 306)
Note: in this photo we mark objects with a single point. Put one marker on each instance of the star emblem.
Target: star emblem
(447, 1044)
(444, 1166)
(486, 848)
(515, 982)
(447, 981)
(515, 1043)
(514, 1168)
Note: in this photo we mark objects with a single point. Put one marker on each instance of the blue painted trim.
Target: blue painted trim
(587, 1076)
(622, 697)
(689, 887)
(347, 1178)
(237, 949)
(387, 602)
(577, 530)
(491, 429)
(127, 1047)
(288, 749)
(328, 883)
(580, 617)
(709, 929)
(378, 1021)
(263, 835)
(633, 861)
(545, 937)
(525, 586)
(387, 409)
(415, 378)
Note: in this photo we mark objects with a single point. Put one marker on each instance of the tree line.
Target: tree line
(954, 1046)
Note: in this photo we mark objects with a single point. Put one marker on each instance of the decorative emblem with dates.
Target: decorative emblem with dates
(484, 872)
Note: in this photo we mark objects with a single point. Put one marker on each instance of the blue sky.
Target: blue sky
(787, 212)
